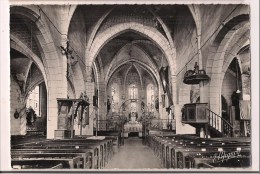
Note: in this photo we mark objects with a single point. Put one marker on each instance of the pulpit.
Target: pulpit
(68, 110)
(195, 113)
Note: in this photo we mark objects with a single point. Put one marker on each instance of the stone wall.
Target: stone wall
(18, 126)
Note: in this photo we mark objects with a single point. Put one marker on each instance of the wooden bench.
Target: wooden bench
(72, 162)
(39, 165)
(241, 162)
(191, 159)
(176, 151)
(104, 147)
(54, 147)
(167, 148)
(86, 156)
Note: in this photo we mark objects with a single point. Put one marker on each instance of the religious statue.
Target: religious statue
(30, 116)
(142, 106)
(157, 104)
(196, 68)
(108, 105)
(123, 106)
(235, 103)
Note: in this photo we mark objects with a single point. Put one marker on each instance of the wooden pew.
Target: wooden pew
(104, 150)
(27, 153)
(177, 151)
(68, 148)
(163, 146)
(181, 154)
(240, 162)
(39, 165)
(195, 159)
(104, 146)
(72, 162)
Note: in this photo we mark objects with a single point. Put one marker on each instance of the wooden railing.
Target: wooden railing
(109, 125)
(161, 124)
(219, 123)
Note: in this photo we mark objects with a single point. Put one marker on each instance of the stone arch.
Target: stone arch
(226, 51)
(45, 38)
(148, 32)
(195, 13)
(165, 28)
(223, 37)
(127, 72)
(72, 9)
(154, 75)
(19, 46)
(53, 66)
(235, 49)
(114, 59)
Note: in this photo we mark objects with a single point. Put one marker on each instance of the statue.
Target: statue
(30, 116)
(108, 105)
(196, 68)
(157, 104)
(142, 106)
(235, 103)
(123, 106)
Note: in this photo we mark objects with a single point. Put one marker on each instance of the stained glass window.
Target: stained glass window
(114, 97)
(150, 97)
(133, 91)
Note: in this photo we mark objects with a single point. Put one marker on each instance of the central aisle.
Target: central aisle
(134, 155)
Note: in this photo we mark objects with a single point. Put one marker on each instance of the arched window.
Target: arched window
(133, 92)
(34, 100)
(150, 97)
(114, 97)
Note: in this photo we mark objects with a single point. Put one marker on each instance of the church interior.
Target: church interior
(130, 86)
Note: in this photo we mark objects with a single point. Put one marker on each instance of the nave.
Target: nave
(85, 78)
(134, 155)
(158, 151)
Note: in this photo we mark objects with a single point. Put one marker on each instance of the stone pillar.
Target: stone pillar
(90, 87)
(43, 105)
(203, 98)
(201, 85)
(102, 101)
(57, 88)
(17, 103)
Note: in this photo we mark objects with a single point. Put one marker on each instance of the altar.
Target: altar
(133, 126)
(133, 116)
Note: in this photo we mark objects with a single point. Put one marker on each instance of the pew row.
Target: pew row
(181, 151)
(93, 154)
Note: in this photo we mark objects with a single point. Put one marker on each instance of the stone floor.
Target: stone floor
(134, 155)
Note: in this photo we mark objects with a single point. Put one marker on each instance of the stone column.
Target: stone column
(57, 86)
(43, 105)
(201, 85)
(90, 87)
(102, 101)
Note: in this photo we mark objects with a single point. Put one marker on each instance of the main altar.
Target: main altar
(133, 125)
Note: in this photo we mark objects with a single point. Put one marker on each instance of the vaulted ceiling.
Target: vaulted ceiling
(129, 44)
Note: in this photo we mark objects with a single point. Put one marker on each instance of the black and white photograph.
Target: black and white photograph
(130, 86)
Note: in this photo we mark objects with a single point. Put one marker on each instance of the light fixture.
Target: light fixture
(237, 91)
(16, 114)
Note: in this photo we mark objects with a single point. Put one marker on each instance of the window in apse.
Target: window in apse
(150, 97)
(114, 97)
(133, 92)
(34, 100)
